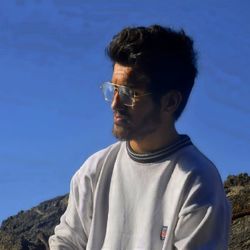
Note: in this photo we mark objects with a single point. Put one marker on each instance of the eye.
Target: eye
(125, 91)
(135, 93)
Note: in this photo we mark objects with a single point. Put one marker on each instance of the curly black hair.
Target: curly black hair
(165, 56)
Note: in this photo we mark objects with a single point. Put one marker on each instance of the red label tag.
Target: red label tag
(163, 234)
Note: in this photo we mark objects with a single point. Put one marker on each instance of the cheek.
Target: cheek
(141, 111)
(146, 107)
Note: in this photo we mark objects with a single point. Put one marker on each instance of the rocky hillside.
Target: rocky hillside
(31, 229)
(238, 191)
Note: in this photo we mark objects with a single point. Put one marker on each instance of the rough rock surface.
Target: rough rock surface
(238, 191)
(31, 229)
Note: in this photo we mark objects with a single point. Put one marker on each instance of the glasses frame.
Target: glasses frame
(131, 93)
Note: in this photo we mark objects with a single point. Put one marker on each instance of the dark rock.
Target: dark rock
(31, 229)
(238, 192)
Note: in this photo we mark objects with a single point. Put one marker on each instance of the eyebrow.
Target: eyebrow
(125, 84)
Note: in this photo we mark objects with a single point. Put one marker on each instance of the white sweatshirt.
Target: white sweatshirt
(170, 199)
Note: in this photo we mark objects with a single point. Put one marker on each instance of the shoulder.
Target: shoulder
(199, 183)
(195, 173)
(92, 166)
(191, 161)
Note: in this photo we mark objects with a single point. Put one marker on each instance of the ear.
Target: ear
(171, 101)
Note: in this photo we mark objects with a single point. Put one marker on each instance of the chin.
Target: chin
(121, 133)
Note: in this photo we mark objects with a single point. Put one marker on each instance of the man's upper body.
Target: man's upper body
(154, 190)
(120, 200)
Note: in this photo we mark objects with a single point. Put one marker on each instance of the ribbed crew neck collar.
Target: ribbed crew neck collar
(159, 154)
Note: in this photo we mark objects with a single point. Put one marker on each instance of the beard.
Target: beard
(136, 127)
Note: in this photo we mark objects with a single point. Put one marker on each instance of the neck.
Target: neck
(154, 142)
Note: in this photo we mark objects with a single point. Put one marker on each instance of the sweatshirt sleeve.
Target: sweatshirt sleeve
(73, 230)
(204, 219)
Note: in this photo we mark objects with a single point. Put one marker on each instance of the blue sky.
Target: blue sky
(52, 63)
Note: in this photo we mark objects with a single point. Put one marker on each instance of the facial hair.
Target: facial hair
(136, 127)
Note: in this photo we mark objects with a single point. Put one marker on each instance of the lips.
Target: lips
(120, 119)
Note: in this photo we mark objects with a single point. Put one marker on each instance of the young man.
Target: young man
(153, 189)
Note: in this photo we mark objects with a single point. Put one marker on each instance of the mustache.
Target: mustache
(121, 112)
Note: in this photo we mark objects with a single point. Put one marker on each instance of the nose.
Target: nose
(116, 103)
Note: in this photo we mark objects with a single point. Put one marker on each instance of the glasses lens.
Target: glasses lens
(108, 91)
(125, 94)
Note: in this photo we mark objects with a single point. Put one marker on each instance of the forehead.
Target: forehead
(126, 75)
(121, 73)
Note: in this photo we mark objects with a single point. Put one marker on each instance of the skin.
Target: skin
(146, 126)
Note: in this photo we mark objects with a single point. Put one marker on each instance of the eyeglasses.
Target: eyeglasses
(127, 96)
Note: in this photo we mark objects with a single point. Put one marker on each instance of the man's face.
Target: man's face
(133, 123)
